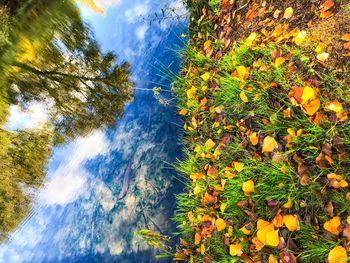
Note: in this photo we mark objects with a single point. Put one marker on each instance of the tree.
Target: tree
(88, 88)
(23, 160)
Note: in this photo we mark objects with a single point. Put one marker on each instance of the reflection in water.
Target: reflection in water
(101, 188)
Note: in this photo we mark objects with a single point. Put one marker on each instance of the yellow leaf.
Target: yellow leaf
(209, 144)
(243, 97)
(337, 255)
(279, 61)
(236, 250)
(269, 144)
(272, 259)
(289, 203)
(238, 166)
(93, 6)
(332, 225)
(320, 48)
(334, 105)
(308, 93)
(291, 222)
(348, 220)
(322, 57)
(245, 230)
(300, 37)
(248, 187)
(268, 235)
(220, 224)
(223, 207)
(254, 139)
(197, 189)
(272, 238)
(288, 13)
(241, 71)
(191, 92)
(205, 76)
(207, 44)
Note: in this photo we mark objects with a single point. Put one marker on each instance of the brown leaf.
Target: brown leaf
(329, 209)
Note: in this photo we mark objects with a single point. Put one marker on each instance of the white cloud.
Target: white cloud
(34, 117)
(69, 179)
(137, 12)
(140, 32)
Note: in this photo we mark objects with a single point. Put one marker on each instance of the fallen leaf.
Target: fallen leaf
(248, 187)
(338, 255)
(345, 37)
(289, 203)
(291, 222)
(220, 224)
(322, 57)
(332, 225)
(243, 96)
(183, 112)
(320, 48)
(308, 93)
(312, 107)
(205, 76)
(207, 44)
(347, 45)
(191, 91)
(254, 138)
(236, 249)
(267, 234)
(334, 105)
(272, 259)
(209, 144)
(241, 71)
(197, 239)
(288, 13)
(300, 37)
(238, 166)
(269, 144)
(328, 4)
(279, 61)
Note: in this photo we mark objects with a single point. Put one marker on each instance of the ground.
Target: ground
(264, 94)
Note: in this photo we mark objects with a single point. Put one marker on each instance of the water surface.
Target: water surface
(101, 188)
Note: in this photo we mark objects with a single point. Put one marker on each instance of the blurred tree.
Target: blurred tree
(65, 65)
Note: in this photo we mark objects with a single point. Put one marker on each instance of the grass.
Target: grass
(292, 172)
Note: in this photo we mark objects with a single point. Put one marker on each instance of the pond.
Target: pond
(101, 188)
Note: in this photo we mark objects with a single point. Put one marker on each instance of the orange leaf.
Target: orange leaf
(197, 239)
(347, 45)
(220, 224)
(312, 107)
(346, 37)
(332, 225)
(337, 255)
(254, 138)
(272, 259)
(183, 112)
(269, 144)
(207, 44)
(328, 4)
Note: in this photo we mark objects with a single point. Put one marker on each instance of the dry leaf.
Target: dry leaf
(238, 166)
(312, 107)
(209, 144)
(322, 57)
(334, 105)
(220, 224)
(241, 71)
(346, 37)
(205, 76)
(236, 250)
(272, 259)
(337, 255)
(197, 239)
(254, 138)
(248, 187)
(279, 61)
(288, 13)
(243, 97)
(269, 144)
(332, 225)
(291, 222)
